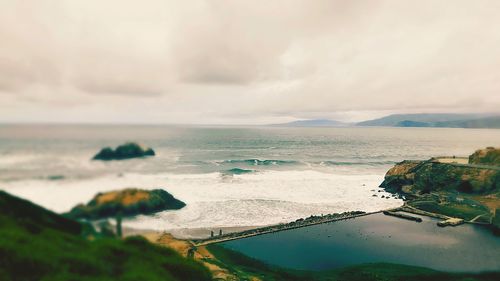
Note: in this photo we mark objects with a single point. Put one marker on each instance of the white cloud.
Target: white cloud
(245, 61)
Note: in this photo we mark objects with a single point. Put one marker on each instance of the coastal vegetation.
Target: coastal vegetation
(126, 202)
(455, 187)
(124, 151)
(37, 245)
(488, 156)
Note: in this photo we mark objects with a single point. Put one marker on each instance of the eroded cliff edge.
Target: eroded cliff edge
(467, 188)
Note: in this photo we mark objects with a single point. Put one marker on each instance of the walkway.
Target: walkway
(312, 220)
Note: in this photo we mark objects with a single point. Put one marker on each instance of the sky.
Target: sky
(245, 62)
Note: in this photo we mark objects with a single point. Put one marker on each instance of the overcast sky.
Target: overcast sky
(245, 62)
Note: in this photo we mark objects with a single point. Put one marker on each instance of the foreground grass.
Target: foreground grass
(37, 244)
(247, 267)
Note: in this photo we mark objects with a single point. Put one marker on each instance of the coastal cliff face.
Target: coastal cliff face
(420, 177)
(451, 186)
(401, 176)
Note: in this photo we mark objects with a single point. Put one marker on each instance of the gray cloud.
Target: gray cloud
(246, 61)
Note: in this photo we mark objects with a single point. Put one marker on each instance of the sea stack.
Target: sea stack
(124, 151)
(126, 202)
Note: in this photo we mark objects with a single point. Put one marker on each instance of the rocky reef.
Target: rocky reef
(124, 151)
(127, 202)
(455, 187)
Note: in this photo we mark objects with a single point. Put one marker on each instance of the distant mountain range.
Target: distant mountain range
(439, 120)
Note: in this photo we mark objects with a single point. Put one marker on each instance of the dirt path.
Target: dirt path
(201, 254)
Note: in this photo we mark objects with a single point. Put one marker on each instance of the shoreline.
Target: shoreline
(200, 252)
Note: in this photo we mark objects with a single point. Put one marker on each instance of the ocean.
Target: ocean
(228, 176)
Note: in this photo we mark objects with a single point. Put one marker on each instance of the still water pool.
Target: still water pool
(376, 238)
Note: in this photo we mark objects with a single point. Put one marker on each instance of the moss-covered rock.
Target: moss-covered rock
(124, 151)
(488, 156)
(127, 202)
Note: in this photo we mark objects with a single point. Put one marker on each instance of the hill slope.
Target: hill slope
(37, 244)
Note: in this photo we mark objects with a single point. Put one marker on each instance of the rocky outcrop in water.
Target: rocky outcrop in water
(127, 202)
(124, 151)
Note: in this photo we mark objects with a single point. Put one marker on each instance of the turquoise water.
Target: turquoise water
(376, 238)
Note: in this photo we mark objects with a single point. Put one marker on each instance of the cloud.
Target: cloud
(238, 61)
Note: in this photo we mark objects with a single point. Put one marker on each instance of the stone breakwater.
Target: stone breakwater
(312, 220)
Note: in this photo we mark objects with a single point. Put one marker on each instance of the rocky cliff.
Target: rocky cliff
(420, 177)
(450, 186)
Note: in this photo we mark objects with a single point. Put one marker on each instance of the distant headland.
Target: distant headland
(437, 120)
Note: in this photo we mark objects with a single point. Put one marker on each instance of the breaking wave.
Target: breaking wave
(258, 162)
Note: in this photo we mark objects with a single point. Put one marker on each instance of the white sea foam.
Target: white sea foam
(214, 200)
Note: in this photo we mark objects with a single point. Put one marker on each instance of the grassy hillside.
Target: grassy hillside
(247, 268)
(37, 244)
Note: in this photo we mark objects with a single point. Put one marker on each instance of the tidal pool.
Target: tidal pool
(376, 238)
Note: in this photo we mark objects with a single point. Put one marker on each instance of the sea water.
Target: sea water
(227, 176)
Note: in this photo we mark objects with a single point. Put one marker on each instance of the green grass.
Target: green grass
(37, 245)
(245, 266)
(455, 210)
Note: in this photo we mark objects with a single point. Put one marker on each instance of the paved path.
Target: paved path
(477, 217)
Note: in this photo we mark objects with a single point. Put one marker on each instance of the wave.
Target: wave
(258, 162)
(55, 177)
(352, 163)
(237, 171)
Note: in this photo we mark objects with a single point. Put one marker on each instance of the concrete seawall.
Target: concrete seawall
(312, 220)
